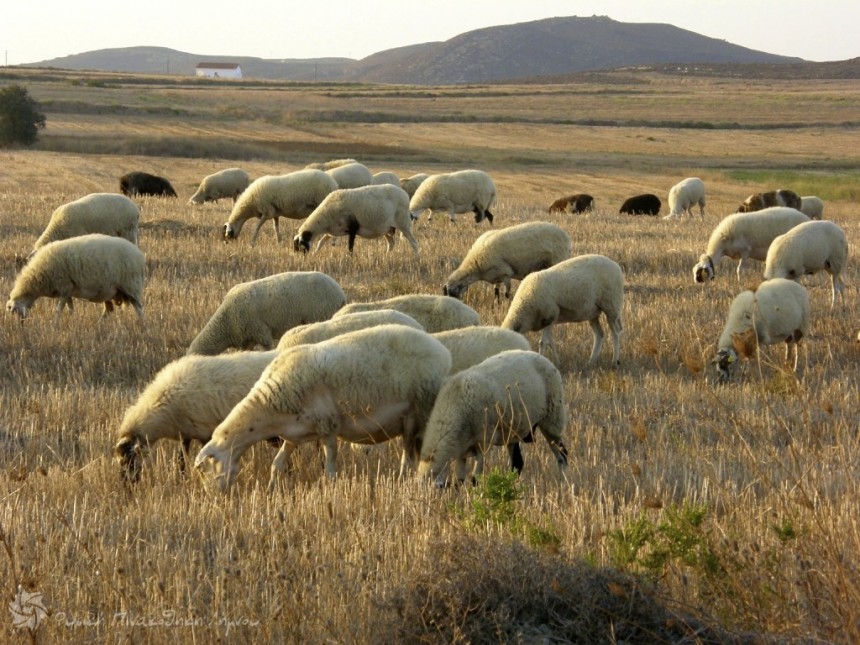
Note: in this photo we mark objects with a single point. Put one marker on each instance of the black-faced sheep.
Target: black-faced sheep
(781, 197)
(745, 235)
(95, 267)
(463, 191)
(294, 196)
(777, 311)
(259, 312)
(324, 392)
(576, 290)
(142, 183)
(368, 212)
(576, 204)
(499, 256)
(224, 184)
(433, 313)
(684, 195)
(500, 401)
(809, 248)
(645, 204)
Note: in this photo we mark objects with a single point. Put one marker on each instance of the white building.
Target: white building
(219, 70)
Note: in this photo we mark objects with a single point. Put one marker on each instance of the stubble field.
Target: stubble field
(688, 509)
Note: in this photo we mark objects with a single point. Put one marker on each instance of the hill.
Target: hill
(539, 48)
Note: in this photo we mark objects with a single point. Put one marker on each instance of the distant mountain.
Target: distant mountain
(546, 47)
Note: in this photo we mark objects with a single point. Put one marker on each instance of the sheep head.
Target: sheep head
(19, 307)
(704, 270)
(230, 232)
(128, 454)
(724, 360)
(302, 242)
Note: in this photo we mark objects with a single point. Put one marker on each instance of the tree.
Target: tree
(20, 117)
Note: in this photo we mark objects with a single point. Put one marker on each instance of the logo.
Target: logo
(28, 610)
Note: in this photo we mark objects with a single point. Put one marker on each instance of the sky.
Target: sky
(816, 30)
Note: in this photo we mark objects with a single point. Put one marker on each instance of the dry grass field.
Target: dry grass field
(690, 512)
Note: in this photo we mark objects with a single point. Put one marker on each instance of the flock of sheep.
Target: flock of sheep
(445, 384)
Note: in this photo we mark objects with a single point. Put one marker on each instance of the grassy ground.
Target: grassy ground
(689, 509)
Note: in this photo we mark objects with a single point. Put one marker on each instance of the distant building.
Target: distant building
(219, 70)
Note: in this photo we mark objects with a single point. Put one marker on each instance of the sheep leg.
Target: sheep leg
(616, 329)
(60, 304)
(352, 227)
(329, 443)
(322, 241)
(507, 282)
(277, 229)
(257, 231)
(740, 264)
(597, 331)
(411, 239)
(279, 463)
(391, 240)
(547, 341)
(182, 458)
(836, 286)
(516, 455)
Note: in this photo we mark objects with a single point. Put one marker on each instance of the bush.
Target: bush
(20, 117)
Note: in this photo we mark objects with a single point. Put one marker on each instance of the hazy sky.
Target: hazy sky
(34, 31)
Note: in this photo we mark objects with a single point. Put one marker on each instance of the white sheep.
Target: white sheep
(499, 256)
(259, 312)
(777, 311)
(369, 212)
(185, 401)
(294, 196)
(433, 313)
(576, 290)
(365, 387)
(745, 235)
(328, 165)
(327, 329)
(808, 248)
(463, 191)
(227, 183)
(105, 213)
(386, 178)
(812, 206)
(500, 401)
(410, 184)
(95, 267)
(471, 345)
(351, 175)
(684, 195)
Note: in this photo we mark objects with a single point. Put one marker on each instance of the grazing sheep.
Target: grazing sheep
(812, 207)
(327, 329)
(455, 192)
(433, 313)
(684, 195)
(105, 213)
(500, 401)
(95, 267)
(351, 175)
(369, 212)
(186, 400)
(809, 248)
(386, 178)
(259, 312)
(328, 165)
(781, 197)
(471, 345)
(576, 290)
(745, 235)
(294, 196)
(410, 184)
(365, 387)
(510, 253)
(227, 183)
(778, 310)
(142, 183)
(646, 204)
(578, 203)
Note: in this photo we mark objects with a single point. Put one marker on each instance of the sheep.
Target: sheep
(808, 248)
(812, 206)
(778, 310)
(186, 400)
(369, 212)
(328, 165)
(294, 195)
(259, 312)
(781, 197)
(326, 329)
(499, 401)
(684, 195)
(578, 203)
(645, 204)
(455, 192)
(745, 235)
(576, 290)
(367, 386)
(511, 253)
(142, 183)
(386, 178)
(410, 184)
(471, 345)
(230, 182)
(433, 313)
(105, 213)
(94, 267)
(351, 175)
